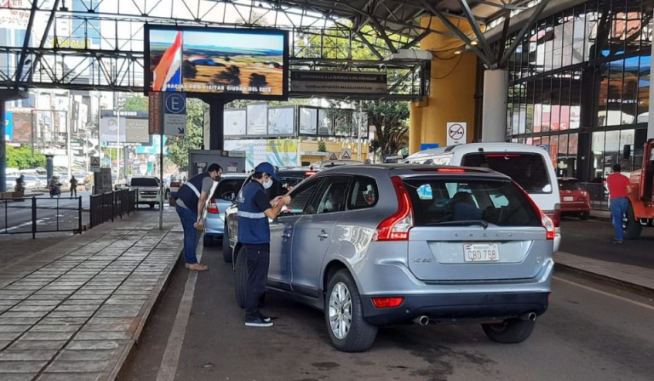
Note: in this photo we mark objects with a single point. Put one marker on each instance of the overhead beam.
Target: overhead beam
(26, 43)
(481, 40)
(518, 38)
(370, 45)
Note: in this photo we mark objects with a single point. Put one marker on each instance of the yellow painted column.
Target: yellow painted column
(452, 88)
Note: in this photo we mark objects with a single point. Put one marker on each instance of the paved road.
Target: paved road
(589, 333)
(593, 239)
(17, 216)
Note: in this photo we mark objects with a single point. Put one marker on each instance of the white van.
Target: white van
(529, 166)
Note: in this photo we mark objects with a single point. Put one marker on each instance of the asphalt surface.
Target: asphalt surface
(591, 332)
(593, 239)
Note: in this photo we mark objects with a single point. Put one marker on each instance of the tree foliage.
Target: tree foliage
(136, 104)
(22, 158)
(390, 121)
(178, 147)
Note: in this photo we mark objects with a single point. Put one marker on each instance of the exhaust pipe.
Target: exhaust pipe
(422, 320)
(530, 316)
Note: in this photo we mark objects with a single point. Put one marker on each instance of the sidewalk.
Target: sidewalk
(628, 275)
(74, 311)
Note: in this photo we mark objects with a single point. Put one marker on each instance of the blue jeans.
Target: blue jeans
(618, 210)
(189, 218)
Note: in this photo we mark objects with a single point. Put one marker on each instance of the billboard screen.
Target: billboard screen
(233, 63)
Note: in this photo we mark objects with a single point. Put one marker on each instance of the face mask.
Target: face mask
(328, 205)
(267, 184)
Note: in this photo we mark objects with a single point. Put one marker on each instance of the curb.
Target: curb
(606, 279)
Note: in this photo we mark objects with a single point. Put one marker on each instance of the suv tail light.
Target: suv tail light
(380, 302)
(554, 215)
(546, 221)
(212, 208)
(175, 184)
(397, 226)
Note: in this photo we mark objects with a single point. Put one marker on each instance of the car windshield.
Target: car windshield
(228, 188)
(458, 201)
(526, 169)
(144, 182)
(569, 185)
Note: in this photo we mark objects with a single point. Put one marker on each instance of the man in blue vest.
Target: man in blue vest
(254, 210)
(191, 201)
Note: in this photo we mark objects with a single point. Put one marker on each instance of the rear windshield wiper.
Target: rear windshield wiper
(481, 223)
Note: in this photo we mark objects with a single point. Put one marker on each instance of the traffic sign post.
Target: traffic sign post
(95, 163)
(174, 114)
(346, 154)
(456, 133)
(333, 156)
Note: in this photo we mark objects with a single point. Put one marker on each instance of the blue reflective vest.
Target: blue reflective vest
(188, 196)
(253, 228)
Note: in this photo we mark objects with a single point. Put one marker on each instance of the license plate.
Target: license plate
(568, 198)
(481, 252)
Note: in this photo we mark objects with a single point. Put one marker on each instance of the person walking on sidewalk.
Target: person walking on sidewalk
(618, 189)
(191, 200)
(73, 186)
(254, 210)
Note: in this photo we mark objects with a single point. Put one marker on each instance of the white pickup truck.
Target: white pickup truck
(148, 190)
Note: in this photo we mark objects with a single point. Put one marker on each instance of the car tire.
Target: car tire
(227, 250)
(583, 216)
(360, 335)
(510, 331)
(633, 226)
(241, 277)
(207, 241)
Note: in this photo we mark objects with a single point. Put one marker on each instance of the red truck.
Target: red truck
(641, 205)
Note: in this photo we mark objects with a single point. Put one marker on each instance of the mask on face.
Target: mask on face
(329, 205)
(267, 184)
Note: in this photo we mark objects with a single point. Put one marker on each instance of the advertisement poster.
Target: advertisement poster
(281, 121)
(22, 127)
(234, 122)
(278, 152)
(308, 121)
(257, 119)
(222, 61)
(325, 123)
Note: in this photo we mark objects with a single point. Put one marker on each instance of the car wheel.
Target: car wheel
(348, 330)
(510, 331)
(167, 195)
(583, 216)
(227, 250)
(207, 241)
(241, 277)
(633, 227)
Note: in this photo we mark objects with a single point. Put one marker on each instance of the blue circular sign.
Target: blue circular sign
(175, 103)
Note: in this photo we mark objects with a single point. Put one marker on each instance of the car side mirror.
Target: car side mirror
(626, 151)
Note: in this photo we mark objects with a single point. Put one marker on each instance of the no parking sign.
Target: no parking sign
(456, 133)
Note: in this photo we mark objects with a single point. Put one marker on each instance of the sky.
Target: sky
(234, 40)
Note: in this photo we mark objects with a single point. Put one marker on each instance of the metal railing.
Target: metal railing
(599, 196)
(111, 205)
(34, 215)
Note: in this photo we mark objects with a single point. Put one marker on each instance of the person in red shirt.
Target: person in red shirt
(618, 189)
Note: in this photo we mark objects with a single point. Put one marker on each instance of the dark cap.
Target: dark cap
(268, 168)
(214, 167)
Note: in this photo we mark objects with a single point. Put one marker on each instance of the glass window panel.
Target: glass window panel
(627, 138)
(645, 65)
(538, 105)
(578, 38)
(598, 155)
(590, 33)
(537, 140)
(573, 142)
(546, 116)
(563, 145)
(529, 141)
(548, 55)
(557, 47)
(603, 82)
(614, 97)
(554, 148)
(630, 91)
(575, 100)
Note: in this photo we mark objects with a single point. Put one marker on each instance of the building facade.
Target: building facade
(579, 87)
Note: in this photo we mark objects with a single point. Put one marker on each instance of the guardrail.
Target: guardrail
(111, 205)
(41, 215)
(599, 196)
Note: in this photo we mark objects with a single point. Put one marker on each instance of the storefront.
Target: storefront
(579, 87)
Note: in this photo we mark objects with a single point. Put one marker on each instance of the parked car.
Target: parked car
(32, 182)
(574, 198)
(222, 198)
(377, 245)
(318, 165)
(148, 190)
(529, 166)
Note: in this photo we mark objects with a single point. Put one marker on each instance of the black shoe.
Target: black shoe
(258, 322)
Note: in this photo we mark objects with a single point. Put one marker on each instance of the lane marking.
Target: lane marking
(170, 359)
(649, 307)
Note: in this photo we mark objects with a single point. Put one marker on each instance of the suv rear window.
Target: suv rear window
(228, 188)
(569, 185)
(526, 169)
(498, 202)
(144, 182)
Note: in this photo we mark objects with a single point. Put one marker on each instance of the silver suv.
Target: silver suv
(376, 245)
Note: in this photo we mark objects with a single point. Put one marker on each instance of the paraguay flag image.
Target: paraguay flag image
(167, 75)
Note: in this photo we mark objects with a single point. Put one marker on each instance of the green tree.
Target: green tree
(136, 104)
(22, 158)
(178, 147)
(322, 147)
(391, 123)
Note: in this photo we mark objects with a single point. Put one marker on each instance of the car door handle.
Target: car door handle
(286, 235)
(323, 235)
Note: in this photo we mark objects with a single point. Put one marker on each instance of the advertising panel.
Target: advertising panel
(133, 127)
(338, 82)
(249, 64)
(281, 121)
(257, 119)
(235, 122)
(308, 121)
(22, 127)
(278, 152)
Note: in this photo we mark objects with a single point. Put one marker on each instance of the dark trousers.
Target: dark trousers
(189, 218)
(258, 258)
